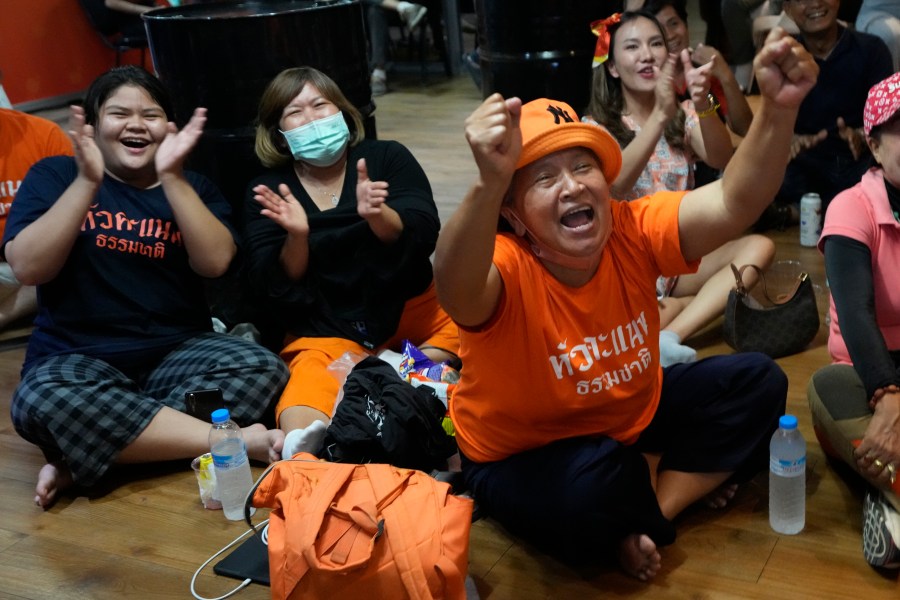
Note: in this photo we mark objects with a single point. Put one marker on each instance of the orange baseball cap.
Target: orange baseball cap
(550, 125)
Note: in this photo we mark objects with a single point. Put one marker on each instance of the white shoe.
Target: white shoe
(743, 74)
(881, 532)
(411, 14)
(378, 85)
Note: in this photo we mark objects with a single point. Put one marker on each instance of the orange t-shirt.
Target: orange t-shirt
(24, 140)
(555, 361)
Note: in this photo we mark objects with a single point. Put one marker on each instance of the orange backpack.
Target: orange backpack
(363, 531)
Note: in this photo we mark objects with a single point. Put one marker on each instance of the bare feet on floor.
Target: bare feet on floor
(639, 557)
(53, 478)
(721, 496)
(263, 444)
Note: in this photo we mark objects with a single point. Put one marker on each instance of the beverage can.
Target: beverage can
(810, 219)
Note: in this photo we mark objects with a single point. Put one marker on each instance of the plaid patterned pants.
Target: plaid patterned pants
(85, 411)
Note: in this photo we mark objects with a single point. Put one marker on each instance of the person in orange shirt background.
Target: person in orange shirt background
(24, 140)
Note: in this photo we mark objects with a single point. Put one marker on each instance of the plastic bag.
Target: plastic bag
(339, 370)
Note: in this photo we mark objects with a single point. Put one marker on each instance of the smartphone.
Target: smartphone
(201, 403)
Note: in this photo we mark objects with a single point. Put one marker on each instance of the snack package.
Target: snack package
(414, 361)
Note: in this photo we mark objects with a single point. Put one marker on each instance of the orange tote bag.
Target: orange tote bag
(363, 531)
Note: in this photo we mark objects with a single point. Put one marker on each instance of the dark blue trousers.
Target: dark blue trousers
(577, 498)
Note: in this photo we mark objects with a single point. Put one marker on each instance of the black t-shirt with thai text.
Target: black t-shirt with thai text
(126, 291)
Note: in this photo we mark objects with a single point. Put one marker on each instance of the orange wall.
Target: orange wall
(48, 49)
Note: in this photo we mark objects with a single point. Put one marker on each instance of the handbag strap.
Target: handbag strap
(320, 503)
(743, 291)
(248, 501)
(403, 545)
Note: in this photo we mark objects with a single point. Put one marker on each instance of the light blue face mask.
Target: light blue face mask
(321, 142)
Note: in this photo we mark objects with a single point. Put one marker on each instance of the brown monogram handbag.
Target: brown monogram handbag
(786, 327)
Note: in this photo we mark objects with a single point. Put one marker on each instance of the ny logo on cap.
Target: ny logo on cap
(558, 114)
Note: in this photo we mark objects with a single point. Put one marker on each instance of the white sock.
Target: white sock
(403, 5)
(379, 74)
(395, 359)
(304, 440)
(672, 351)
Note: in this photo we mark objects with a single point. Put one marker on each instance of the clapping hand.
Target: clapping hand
(283, 208)
(177, 145)
(803, 142)
(87, 154)
(664, 94)
(370, 195)
(854, 138)
(698, 79)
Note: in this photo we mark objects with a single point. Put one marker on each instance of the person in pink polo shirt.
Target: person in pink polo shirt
(855, 401)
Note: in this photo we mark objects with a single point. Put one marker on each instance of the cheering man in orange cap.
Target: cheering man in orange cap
(571, 434)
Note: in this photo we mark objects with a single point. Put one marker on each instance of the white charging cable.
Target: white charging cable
(246, 582)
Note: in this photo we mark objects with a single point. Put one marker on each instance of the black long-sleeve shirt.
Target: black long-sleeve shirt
(355, 286)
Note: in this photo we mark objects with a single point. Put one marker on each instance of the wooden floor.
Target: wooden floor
(144, 536)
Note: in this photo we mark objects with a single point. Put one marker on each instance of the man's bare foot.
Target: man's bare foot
(263, 444)
(721, 496)
(53, 478)
(638, 556)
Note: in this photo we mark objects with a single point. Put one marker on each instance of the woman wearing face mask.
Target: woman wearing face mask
(339, 233)
(118, 240)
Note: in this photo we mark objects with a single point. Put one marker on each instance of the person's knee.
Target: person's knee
(767, 374)
(760, 385)
(839, 392)
(763, 249)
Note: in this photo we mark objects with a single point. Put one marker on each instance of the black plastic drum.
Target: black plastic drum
(539, 49)
(222, 56)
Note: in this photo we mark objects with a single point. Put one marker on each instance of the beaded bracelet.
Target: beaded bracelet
(712, 108)
(880, 392)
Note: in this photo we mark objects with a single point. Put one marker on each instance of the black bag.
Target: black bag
(383, 419)
(784, 328)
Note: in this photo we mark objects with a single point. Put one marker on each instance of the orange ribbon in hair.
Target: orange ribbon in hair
(601, 30)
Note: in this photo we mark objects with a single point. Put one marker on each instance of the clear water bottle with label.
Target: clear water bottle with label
(787, 478)
(810, 219)
(232, 466)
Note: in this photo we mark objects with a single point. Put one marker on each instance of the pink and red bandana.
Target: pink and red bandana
(883, 102)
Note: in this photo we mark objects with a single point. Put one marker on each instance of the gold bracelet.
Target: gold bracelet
(711, 109)
(880, 392)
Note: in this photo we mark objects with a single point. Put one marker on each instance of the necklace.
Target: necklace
(334, 198)
(325, 193)
(310, 182)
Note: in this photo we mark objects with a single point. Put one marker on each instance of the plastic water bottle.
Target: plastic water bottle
(787, 478)
(232, 466)
(810, 219)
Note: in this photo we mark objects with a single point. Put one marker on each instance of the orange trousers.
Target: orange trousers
(424, 323)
